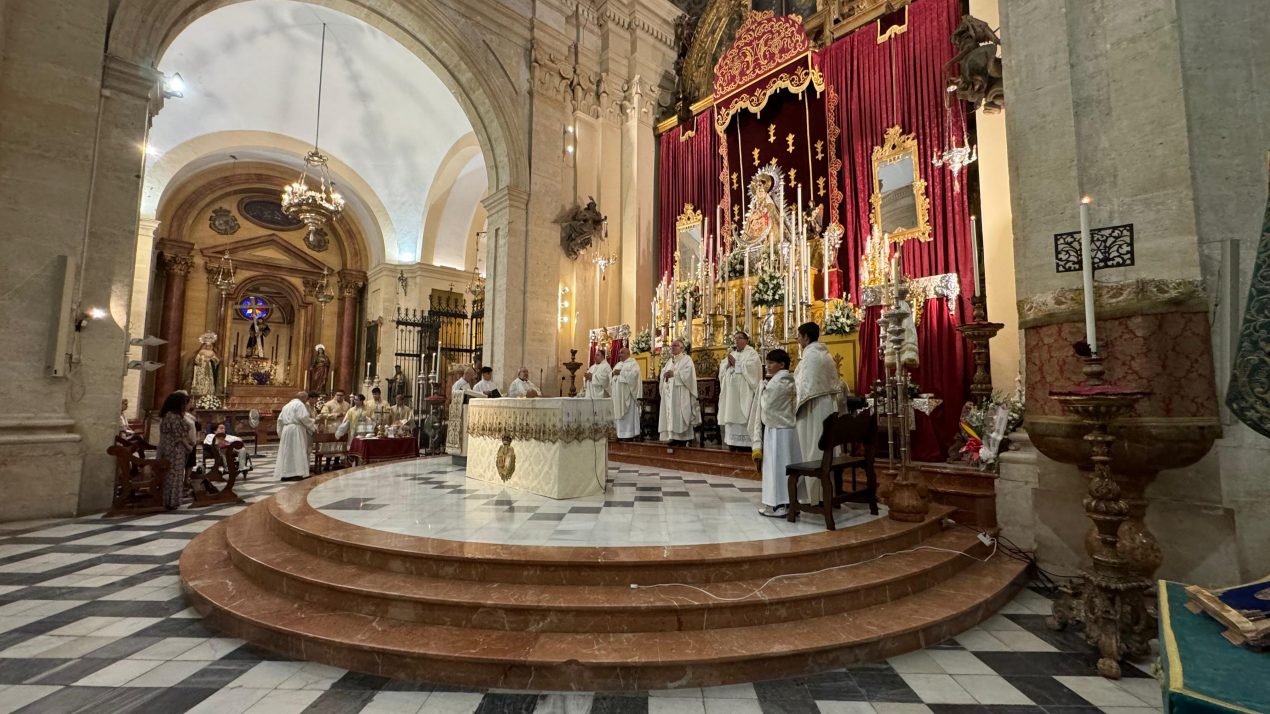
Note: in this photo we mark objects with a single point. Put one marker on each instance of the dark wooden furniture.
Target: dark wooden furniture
(238, 423)
(226, 457)
(383, 448)
(856, 435)
(138, 480)
(708, 398)
(649, 406)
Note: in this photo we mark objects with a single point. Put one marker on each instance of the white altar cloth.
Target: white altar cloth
(552, 447)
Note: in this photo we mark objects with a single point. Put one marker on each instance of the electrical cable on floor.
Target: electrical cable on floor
(773, 579)
(1043, 578)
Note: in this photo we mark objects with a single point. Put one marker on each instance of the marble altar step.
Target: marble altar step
(272, 563)
(243, 607)
(297, 524)
(715, 462)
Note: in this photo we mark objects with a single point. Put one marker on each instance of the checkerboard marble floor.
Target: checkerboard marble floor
(639, 506)
(91, 619)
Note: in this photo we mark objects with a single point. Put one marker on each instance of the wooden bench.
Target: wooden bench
(327, 446)
(856, 435)
(226, 457)
(138, 480)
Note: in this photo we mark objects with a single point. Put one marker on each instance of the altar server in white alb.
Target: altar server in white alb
(522, 387)
(739, 379)
(773, 433)
(680, 412)
(295, 433)
(598, 376)
(487, 385)
(626, 385)
(819, 386)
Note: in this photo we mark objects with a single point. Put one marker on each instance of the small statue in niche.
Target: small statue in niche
(256, 335)
(206, 366)
(580, 228)
(977, 77)
(319, 369)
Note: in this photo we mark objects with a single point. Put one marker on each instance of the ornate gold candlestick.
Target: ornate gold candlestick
(572, 365)
(908, 498)
(978, 333)
(1111, 601)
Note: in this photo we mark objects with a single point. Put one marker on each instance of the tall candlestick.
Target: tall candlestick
(368, 370)
(1087, 274)
(749, 328)
(974, 251)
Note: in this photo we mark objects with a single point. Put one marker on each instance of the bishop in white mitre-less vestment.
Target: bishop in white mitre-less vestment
(680, 411)
(626, 386)
(739, 378)
(295, 432)
(819, 387)
(598, 377)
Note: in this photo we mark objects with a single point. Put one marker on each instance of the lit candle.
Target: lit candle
(368, 370)
(974, 251)
(1087, 274)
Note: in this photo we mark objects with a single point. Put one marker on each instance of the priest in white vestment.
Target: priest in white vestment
(626, 385)
(598, 377)
(819, 385)
(739, 378)
(295, 432)
(773, 433)
(680, 412)
(522, 387)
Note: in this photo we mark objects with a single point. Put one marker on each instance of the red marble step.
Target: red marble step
(301, 526)
(241, 607)
(714, 462)
(588, 608)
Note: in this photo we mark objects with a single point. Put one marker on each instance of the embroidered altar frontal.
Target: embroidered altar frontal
(552, 447)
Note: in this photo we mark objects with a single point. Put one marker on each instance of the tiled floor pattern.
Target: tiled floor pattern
(91, 619)
(639, 506)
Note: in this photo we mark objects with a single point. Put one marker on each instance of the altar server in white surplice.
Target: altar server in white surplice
(598, 377)
(680, 411)
(522, 387)
(295, 433)
(739, 378)
(773, 433)
(819, 385)
(626, 385)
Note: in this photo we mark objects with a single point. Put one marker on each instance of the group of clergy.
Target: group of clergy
(620, 382)
(763, 408)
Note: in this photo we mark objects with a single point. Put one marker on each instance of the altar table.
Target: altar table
(552, 447)
(384, 448)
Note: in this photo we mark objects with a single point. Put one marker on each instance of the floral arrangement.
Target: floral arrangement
(643, 342)
(735, 266)
(843, 318)
(769, 289)
(681, 301)
(985, 427)
(208, 401)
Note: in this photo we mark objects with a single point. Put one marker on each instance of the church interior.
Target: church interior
(644, 356)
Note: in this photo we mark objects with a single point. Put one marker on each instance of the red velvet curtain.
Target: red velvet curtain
(871, 101)
(688, 172)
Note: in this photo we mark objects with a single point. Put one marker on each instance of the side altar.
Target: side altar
(552, 447)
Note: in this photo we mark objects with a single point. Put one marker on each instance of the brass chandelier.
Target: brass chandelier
(314, 205)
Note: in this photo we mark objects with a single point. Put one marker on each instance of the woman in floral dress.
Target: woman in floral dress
(175, 445)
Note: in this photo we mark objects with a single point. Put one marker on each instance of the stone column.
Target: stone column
(346, 378)
(176, 268)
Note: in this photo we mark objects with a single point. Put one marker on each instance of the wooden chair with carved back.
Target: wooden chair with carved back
(226, 457)
(856, 434)
(138, 480)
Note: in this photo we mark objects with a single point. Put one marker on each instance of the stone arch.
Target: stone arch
(142, 29)
(448, 170)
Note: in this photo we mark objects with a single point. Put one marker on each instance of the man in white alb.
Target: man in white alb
(295, 430)
(739, 379)
(626, 386)
(487, 385)
(522, 387)
(816, 378)
(465, 383)
(680, 411)
(598, 376)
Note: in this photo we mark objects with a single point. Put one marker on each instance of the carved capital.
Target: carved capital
(177, 264)
(349, 286)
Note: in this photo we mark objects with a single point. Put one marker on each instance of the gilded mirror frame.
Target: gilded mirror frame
(690, 218)
(897, 146)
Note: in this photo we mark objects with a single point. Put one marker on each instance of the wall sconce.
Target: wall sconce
(403, 281)
(570, 140)
(94, 313)
(564, 305)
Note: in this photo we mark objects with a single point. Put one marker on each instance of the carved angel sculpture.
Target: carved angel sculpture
(978, 77)
(580, 227)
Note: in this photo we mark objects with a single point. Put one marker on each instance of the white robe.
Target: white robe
(295, 429)
(522, 387)
(818, 385)
(626, 384)
(771, 428)
(680, 412)
(597, 387)
(485, 386)
(737, 386)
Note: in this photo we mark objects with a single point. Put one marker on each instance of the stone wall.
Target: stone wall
(1155, 109)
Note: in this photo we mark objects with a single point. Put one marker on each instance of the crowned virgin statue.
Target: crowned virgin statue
(206, 366)
(763, 223)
